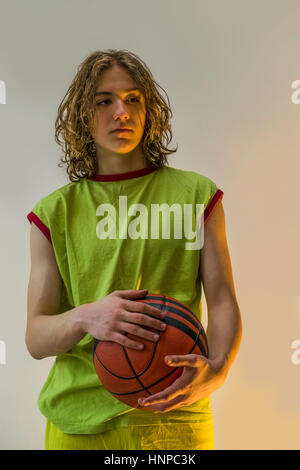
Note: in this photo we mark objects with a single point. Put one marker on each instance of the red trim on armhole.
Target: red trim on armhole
(217, 197)
(32, 217)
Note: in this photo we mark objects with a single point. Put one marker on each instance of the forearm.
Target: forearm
(224, 331)
(51, 335)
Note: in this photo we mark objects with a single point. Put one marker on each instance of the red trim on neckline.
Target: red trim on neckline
(123, 176)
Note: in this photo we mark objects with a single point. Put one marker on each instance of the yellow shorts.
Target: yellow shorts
(183, 436)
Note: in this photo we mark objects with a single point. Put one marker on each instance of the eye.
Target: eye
(135, 98)
(131, 98)
(100, 102)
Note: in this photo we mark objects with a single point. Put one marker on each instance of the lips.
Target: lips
(122, 129)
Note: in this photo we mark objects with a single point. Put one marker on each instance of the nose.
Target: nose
(121, 110)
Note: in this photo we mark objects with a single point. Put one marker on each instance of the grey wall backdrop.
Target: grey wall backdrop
(228, 69)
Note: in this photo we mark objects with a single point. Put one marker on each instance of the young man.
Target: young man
(85, 284)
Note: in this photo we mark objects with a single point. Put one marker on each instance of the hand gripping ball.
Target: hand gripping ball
(129, 374)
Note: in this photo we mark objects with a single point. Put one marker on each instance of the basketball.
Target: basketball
(129, 374)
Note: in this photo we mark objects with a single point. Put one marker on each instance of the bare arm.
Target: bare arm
(48, 334)
(224, 328)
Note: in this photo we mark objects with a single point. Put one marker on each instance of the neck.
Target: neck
(116, 164)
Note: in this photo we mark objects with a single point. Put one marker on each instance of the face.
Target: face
(116, 108)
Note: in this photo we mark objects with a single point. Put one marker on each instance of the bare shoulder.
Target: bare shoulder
(39, 244)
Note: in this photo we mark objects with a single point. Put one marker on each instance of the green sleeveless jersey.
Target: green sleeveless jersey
(134, 230)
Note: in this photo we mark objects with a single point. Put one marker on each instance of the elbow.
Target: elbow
(31, 351)
(33, 354)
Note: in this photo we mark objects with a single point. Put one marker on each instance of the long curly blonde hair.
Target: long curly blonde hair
(76, 125)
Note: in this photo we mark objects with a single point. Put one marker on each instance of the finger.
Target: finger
(139, 332)
(125, 341)
(171, 392)
(190, 360)
(164, 407)
(144, 308)
(127, 294)
(138, 324)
